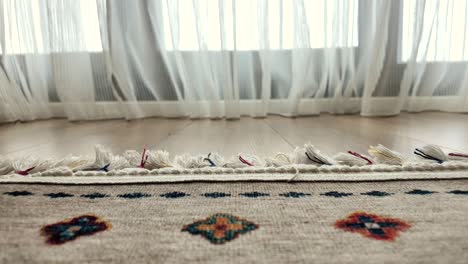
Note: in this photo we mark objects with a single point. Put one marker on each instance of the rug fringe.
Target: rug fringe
(303, 159)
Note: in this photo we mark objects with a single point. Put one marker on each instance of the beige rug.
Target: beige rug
(358, 218)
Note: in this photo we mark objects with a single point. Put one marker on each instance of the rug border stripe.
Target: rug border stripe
(265, 177)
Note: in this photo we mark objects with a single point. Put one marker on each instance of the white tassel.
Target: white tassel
(431, 153)
(158, 159)
(280, 159)
(350, 160)
(5, 165)
(191, 162)
(214, 160)
(314, 156)
(234, 163)
(103, 156)
(106, 161)
(73, 162)
(299, 156)
(118, 162)
(383, 155)
(243, 160)
(133, 157)
(30, 165)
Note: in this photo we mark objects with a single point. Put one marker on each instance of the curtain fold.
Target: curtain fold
(100, 59)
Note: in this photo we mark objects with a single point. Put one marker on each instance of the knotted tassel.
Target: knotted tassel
(383, 155)
(190, 162)
(25, 172)
(352, 159)
(72, 162)
(5, 165)
(280, 159)
(104, 168)
(432, 153)
(143, 159)
(106, 161)
(241, 159)
(314, 155)
(212, 164)
(158, 159)
(27, 165)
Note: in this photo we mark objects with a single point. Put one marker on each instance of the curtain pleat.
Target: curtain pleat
(99, 59)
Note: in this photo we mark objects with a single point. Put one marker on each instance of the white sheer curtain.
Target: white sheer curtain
(97, 59)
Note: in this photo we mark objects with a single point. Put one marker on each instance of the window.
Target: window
(33, 26)
(444, 33)
(243, 32)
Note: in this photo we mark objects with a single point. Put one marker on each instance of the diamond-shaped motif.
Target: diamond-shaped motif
(220, 228)
(373, 226)
(70, 229)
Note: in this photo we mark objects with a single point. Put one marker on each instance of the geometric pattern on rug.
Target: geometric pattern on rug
(216, 194)
(420, 192)
(174, 195)
(459, 192)
(220, 228)
(18, 193)
(255, 194)
(294, 194)
(336, 194)
(373, 226)
(70, 229)
(58, 195)
(94, 195)
(377, 193)
(134, 195)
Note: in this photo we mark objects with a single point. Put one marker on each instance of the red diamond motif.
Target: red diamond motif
(373, 226)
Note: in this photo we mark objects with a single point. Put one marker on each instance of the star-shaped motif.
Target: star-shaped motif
(70, 229)
(373, 226)
(220, 228)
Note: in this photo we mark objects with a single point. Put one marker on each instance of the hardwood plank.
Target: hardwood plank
(118, 136)
(252, 136)
(262, 137)
(333, 134)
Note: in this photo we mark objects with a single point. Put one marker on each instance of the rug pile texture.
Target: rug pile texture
(299, 207)
(391, 221)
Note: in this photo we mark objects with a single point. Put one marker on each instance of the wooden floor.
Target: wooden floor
(332, 134)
